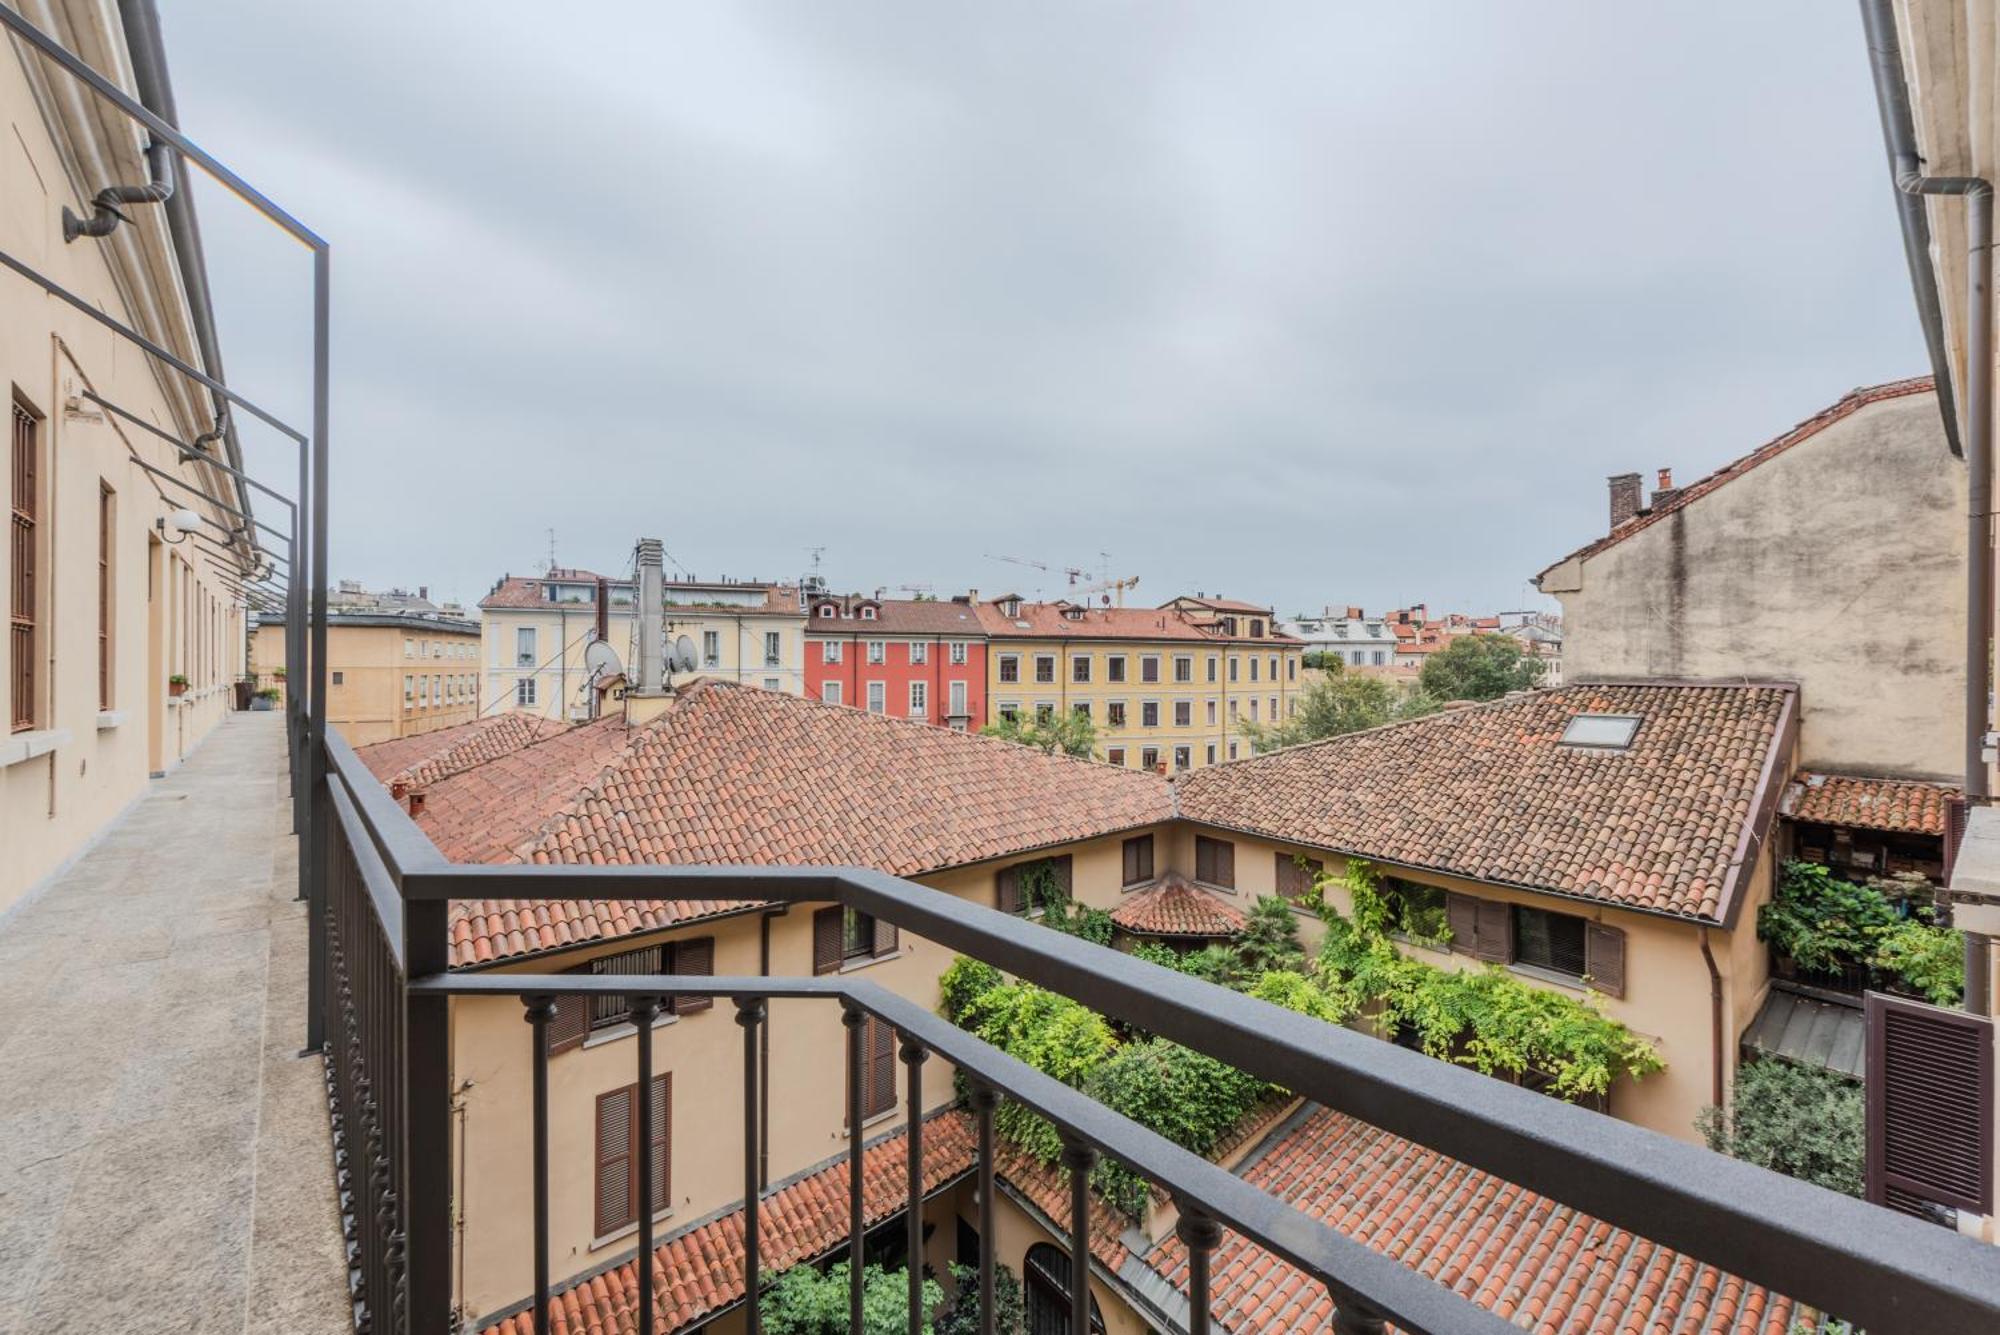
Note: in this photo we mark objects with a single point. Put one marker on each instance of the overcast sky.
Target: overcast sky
(1302, 302)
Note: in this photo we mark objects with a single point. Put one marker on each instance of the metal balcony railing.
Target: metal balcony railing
(386, 992)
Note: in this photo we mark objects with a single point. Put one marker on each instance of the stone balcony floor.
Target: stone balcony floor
(164, 1157)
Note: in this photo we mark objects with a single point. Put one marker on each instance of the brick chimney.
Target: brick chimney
(1626, 496)
(1665, 490)
(416, 801)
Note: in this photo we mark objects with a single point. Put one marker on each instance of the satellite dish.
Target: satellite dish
(682, 659)
(601, 659)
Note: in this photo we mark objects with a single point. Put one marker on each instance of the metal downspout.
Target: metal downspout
(1715, 1026)
(1906, 166)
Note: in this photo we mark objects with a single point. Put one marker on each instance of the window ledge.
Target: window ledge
(1541, 975)
(860, 962)
(611, 1033)
(630, 1230)
(24, 746)
(110, 718)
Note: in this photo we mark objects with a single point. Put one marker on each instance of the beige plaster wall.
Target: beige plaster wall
(370, 703)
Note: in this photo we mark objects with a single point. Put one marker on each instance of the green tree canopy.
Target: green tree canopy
(1480, 667)
(1067, 731)
(1336, 703)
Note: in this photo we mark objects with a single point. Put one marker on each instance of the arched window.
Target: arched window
(1047, 1271)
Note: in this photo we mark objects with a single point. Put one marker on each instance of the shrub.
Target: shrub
(1269, 941)
(1010, 1313)
(1187, 1096)
(964, 982)
(1930, 960)
(1821, 921)
(1296, 992)
(806, 1301)
(1802, 1121)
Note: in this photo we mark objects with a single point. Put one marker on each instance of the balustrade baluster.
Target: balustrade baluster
(984, 1099)
(643, 1012)
(1079, 1158)
(749, 1014)
(540, 1010)
(913, 1062)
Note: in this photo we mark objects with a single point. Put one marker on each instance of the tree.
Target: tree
(1339, 702)
(1480, 667)
(961, 1316)
(1803, 1121)
(1067, 731)
(805, 1301)
(1269, 941)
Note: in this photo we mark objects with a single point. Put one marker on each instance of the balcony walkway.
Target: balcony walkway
(164, 1160)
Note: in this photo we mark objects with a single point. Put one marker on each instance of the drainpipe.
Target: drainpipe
(1715, 1026)
(104, 215)
(1892, 96)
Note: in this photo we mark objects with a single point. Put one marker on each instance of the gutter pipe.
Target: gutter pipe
(104, 215)
(1906, 166)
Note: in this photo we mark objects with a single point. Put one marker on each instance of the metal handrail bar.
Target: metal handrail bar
(192, 452)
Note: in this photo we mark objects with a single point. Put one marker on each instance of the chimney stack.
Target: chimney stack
(1666, 490)
(652, 593)
(1626, 491)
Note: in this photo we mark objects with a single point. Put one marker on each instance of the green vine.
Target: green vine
(1827, 925)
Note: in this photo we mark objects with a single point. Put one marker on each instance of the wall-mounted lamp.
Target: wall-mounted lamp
(181, 522)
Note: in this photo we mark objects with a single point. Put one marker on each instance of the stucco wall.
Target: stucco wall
(1838, 564)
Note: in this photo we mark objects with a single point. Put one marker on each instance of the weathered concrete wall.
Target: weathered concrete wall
(1838, 564)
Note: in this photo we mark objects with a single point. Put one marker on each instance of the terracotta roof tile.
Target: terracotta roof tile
(1045, 621)
(1530, 1259)
(419, 761)
(1854, 402)
(895, 616)
(1176, 908)
(1490, 793)
(699, 1270)
(1898, 805)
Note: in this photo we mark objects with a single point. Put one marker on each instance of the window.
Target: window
(1211, 753)
(919, 653)
(1114, 755)
(618, 1131)
(1183, 667)
(829, 651)
(339, 677)
(1215, 861)
(1045, 667)
(1149, 714)
(1605, 732)
(1211, 713)
(1378, 658)
(1233, 703)
(1234, 664)
(409, 647)
(844, 934)
(1114, 714)
(1274, 667)
(1552, 941)
(1045, 710)
(1416, 910)
(958, 653)
(524, 646)
(1081, 707)
(1253, 667)
(1273, 703)
(920, 699)
(1291, 669)
(1046, 1275)
(825, 609)
(25, 539)
(876, 696)
(524, 691)
(829, 691)
(1183, 713)
(1114, 667)
(1079, 668)
(107, 541)
(1010, 667)
(771, 653)
(878, 651)
(1149, 667)
(409, 689)
(1256, 628)
(1008, 710)
(1232, 750)
(1253, 709)
(1211, 667)
(868, 613)
(878, 1067)
(693, 958)
(773, 684)
(1045, 877)
(711, 648)
(1183, 757)
(958, 709)
(1149, 758)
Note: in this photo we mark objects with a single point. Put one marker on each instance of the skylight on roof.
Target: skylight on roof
(1603, 732)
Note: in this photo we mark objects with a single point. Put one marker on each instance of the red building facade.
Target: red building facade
(922, 660)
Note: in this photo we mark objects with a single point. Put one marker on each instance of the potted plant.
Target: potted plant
(177, 685)
(266, 699)
(278, 672)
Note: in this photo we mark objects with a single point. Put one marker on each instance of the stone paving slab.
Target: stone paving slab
(164, 1156)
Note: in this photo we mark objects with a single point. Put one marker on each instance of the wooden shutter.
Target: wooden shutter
(616, 1189)
(826, 941)
(886, 940)
(1138, 859)
(880, 1095)
(1296, 875)
(1461, 914)
(1007, 890)
(1494, 938)
(695, 958)
(1215, 861)
(1604, 958)
(1929, 1090)
(663, 1141)
(1065, 874)
(571, 1023)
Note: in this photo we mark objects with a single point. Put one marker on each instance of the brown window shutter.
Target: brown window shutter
(1138, 859)
(1604, 958)
(886, 942)
(881, 1091)
(1461, 914)
(1007, 890)
(571, 1022)
(663, 1141)
(1929, 1104)
(695, 959)
(1494, 937)
(1066, 874)
(1954, 833)
(1225, 864)
(826, 940)
(1296, 875)
(616, 1189)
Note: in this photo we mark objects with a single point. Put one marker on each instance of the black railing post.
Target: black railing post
(750, 1014)
(540, 1011)
(1351, 1316)
(984, 1099)
(1200, 1235)
(427, 1157)
(913, 1056)
(644, 1011)
(1079, 1158)
(857, 1221)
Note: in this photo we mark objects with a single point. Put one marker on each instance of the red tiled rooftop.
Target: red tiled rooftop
(699, 1271)
(1897, 805)
(419, 761)
(1490, 793)
(1176, 908)
(1045, 621)
(894, 616)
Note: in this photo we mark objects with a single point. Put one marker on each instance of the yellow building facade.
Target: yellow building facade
(387, 676)
(1166, 686)
(536, 629)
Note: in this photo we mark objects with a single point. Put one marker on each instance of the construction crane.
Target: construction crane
(1074, 573)
(914, 588)
(1117, 586)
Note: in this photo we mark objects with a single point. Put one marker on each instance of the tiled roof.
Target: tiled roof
(1854, 402)
(1045, 621)
(895, 616)
(1046, 1187)
(1533, 1261)
(1490, 793)
(518, 591)
(1898, 805)
(1176, 908)
(732, 774)
(699, 1270)
(1220, 604)
(420, 761)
